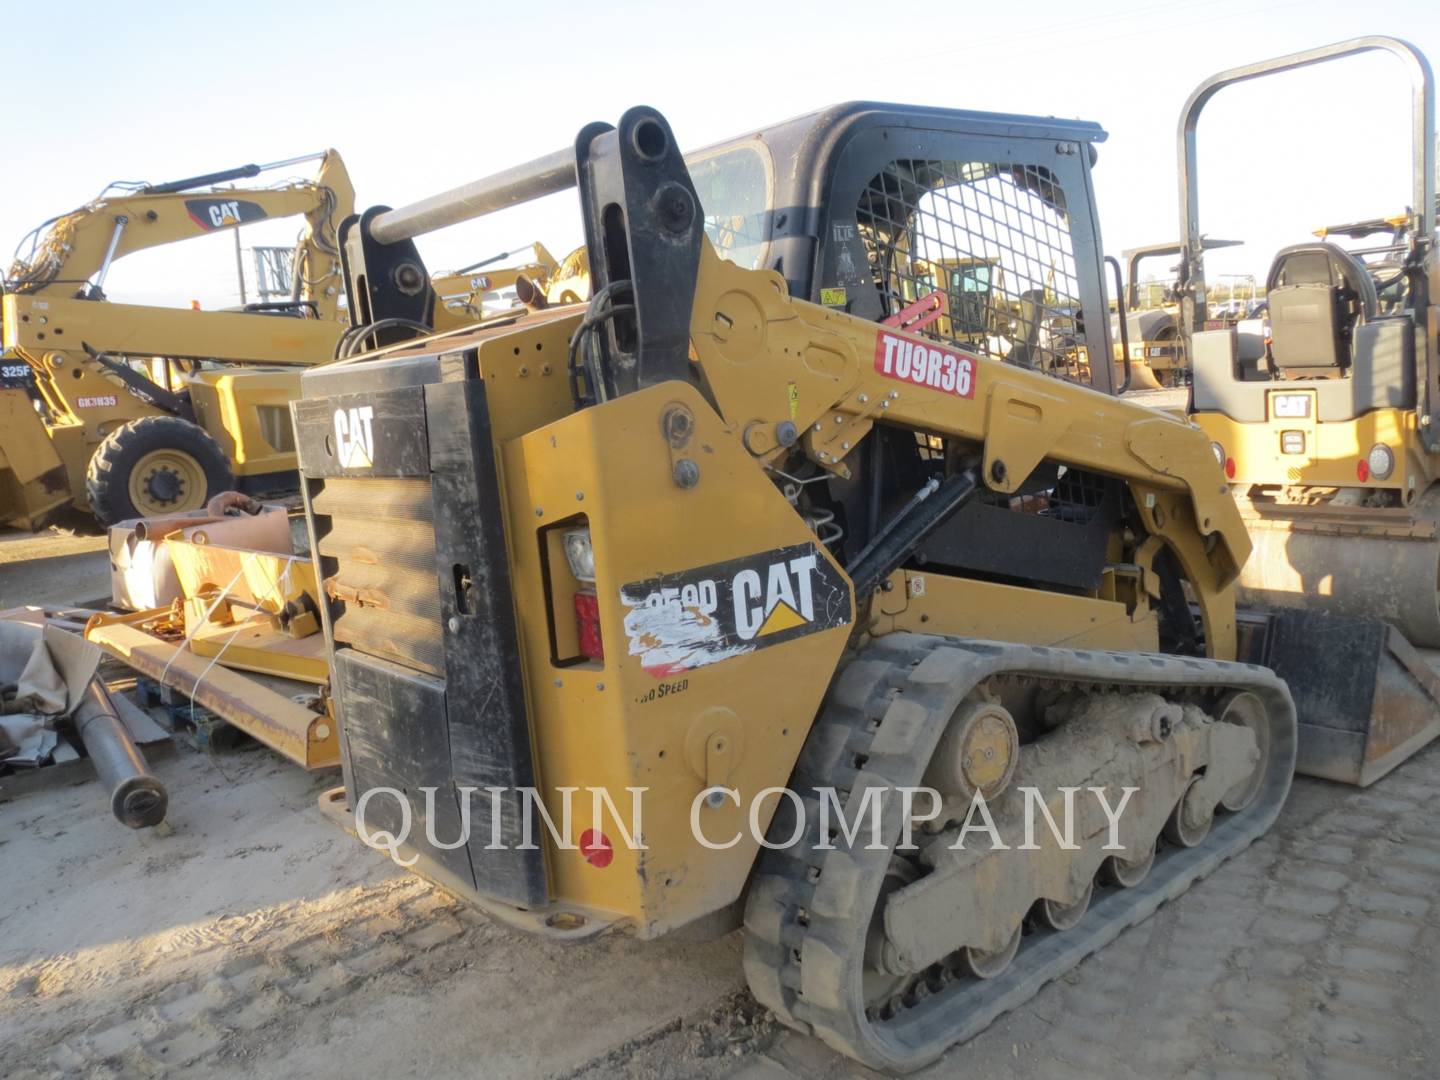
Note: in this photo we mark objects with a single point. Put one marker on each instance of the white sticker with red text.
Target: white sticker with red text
(924, 363)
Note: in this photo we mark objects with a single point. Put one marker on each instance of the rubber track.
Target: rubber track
(809, 911)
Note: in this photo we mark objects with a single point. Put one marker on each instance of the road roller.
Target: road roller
(1329, 438)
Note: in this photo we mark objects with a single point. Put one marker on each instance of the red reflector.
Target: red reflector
(596, 848)
(1362, 470)
(587, 624)
(1229, 468)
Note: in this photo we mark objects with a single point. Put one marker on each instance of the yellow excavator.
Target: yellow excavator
(1330, 437)
(750, 537)
(129, 410)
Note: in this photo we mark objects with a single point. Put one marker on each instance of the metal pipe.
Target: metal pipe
(239, 266)
(137, 798)
(529, 294)
(317, 156)
(120, 222)
(484, 262)
(522, 184)
(1121, 318)
(170, 187)
(907, 530)
(243, 172)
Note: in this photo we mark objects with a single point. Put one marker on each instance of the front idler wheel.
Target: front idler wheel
(1245, 709)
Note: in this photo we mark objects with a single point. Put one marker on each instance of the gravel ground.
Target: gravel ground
(54, 567)
(250, 936)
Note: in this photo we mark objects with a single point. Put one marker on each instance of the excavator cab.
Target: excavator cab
(1330, 440)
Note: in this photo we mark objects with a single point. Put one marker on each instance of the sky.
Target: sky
(420, 97)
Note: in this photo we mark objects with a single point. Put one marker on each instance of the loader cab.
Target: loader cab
(870, 208)
(974, 230)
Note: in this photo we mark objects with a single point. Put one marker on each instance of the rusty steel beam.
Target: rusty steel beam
(306, 738)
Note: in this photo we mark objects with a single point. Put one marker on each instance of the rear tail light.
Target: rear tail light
(581, 558)
(1381, 461)
(1229, 468)
(587, 624)
(1362, 470)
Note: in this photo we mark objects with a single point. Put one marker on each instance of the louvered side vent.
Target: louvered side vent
(380, 533)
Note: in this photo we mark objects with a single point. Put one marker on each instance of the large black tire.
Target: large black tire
(155, 465)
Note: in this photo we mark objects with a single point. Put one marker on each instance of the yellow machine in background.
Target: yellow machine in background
(473, 294)
(132, 410)
(1330, 435)
(1157, 348)
(746, 521)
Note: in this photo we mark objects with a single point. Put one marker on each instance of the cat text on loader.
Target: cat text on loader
(129, 410)
(1330, 438)
(709, 546)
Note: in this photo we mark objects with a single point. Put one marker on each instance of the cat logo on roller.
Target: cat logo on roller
(355, 437)
(696, 617)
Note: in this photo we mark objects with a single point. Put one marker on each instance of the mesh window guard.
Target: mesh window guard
(995, 239)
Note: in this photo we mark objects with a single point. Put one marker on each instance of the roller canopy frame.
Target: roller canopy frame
(1422, 146)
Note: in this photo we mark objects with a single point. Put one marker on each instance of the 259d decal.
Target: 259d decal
(691, 618)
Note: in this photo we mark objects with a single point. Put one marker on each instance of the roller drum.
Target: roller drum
(1365, 574)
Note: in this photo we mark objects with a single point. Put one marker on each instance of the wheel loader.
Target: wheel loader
(1328, 435)
(130, 411)
(474, 294)
(746, 538)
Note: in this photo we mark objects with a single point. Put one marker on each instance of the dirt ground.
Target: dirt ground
(53, 567)
(251, 936)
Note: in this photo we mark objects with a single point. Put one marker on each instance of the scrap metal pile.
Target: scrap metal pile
(53, 704)
(223, 612)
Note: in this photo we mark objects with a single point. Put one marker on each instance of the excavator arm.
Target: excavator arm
(75, 254)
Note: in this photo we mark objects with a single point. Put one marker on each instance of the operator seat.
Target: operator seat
(1318, 294)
